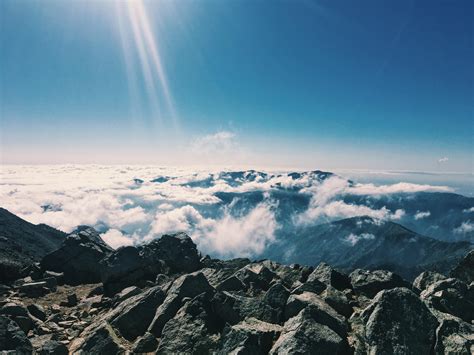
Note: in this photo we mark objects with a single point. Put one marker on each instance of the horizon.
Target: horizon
(305, 84)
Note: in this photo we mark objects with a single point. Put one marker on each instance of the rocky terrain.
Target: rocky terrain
(164, 297)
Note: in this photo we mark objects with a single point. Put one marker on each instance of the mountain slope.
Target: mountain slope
(363, 242)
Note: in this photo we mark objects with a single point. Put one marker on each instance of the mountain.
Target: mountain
(364, 242)
(22, 243)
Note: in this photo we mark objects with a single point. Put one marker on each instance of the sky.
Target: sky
(300, 84)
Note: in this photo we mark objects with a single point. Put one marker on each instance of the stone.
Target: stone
(318, 309)
(78, 257)
(369, 283)
(397, 322)
(45, 345)
(454, 336)
(451, 296)
(427, 278)
(14, 309)
(301, 334)
(329, 276)
(232, 283)
(338, 300)
(12, 338)
(126, 293)
(189, 285)
(34, 289)
(145, 344)
(464, 271)
(133, 316)
(100, 340)
(37, 311)
(250, 336)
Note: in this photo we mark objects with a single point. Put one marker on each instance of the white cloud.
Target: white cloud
(465, 227)
(353, 239)
(223, 141)
(421, 215)
(468, 210)
(443, 160)
(116, 239)
(401, 187)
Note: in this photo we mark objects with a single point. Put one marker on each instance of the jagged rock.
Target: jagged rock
(130, 266)
(465, 269)
(453, 336)
(33, 271)
(303, 335)
(102, 340)
(451, 296)
(369, 283)
(59, 276)
(13, 338)
(288, 275)
(71, 300)
(78, 257)
(426, 279)
(255, 276)
(337, 300)
(224, 307)
(318, 309)
(14, 309)
(45, 345)
(232, 283)
(133, 316)
(313, 285)
(277, 295)
(126, 293)
(37, 311)
(189, 285)
(254, 306)
(250, 336)
(194, 329)
(330, 276)
(397, 322)
(145, 344)
(34, 289)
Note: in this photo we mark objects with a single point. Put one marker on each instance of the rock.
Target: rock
(59, 276)
(71, 300)
(13, 338)
(330, 276)
(301, 334)
(35, 289)
(369, 283)
(14, 309)
(318, 309)
(250, 336)
(313, 285)
(337, 300)
(32, 270)
(145, 344)
(451, 296)
(397, 322)
(37, 311)
(232, 283)
(25, 323)
(427, 278)
(99, 290)
(102, 340)
(277, 295)
(44, 345)
(453, 336)
(224, 307)
(189, 285)
(255, 276)
(464, 271)
(194, 329)
(133, 316)
(254, 306)
(126, 293)
(78, 257)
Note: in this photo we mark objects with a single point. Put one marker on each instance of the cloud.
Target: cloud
(219, 142)
(421, 215)
(116, 238)
(353, 239)
(468, 210)
(402, 187)
(443, 160)
(465, 227)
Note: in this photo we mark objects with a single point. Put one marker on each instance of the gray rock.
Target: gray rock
(369, 283)
(250, 336)
(34, 289)
(337, 300)
(49, 346)
(454, 336)
(277, 295)
(451, 296)
(102, 340)
(397, 322)
(78, 257)
(145, 344)
(14, 309)
(133, 316)
(37, 311)
(189, 285)
(126, 293)
(13, 338)
(232, 283)
(318, 309)
(464, 271)
(427, 278)
(330, 276)
(303, 335)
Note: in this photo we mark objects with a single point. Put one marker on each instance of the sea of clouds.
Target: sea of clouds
(135, 204)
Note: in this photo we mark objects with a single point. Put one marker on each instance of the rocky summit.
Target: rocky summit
(165, 298)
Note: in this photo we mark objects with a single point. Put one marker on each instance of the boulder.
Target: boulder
(189, 285)
(464, 271)
(14, 310)
(277, 295)
(145, 344)
(318, 309)
(78, 257)
(254, 306)
(301, 334)
(397, 322)
(12, 338)
(37, 311)
(102, 340)
(133, 316)
(369, 283)
(126, 293)
(337, 300)
(451, 296)
(34, 289)
(330, 276)
(427, 278)
(250, 336)
(454, 336)
(45, 345)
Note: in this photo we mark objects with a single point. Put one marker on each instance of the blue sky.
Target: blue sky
(307, 84)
